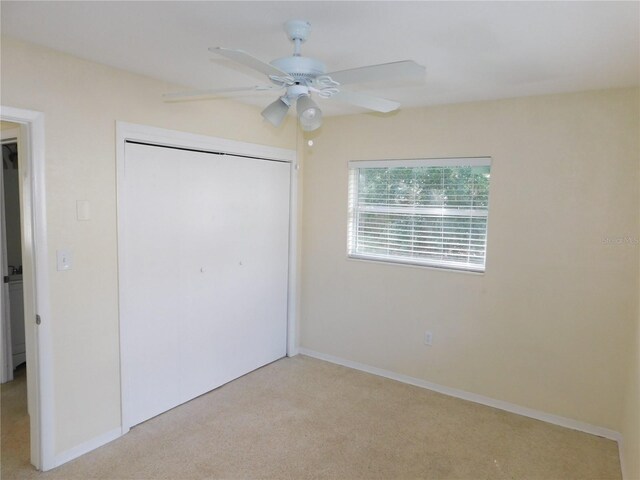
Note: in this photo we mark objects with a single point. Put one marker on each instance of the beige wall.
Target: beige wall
(548, 325)
(8, 125)
(81, 102)
(631, 419)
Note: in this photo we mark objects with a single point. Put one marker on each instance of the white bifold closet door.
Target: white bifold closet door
(204, 283)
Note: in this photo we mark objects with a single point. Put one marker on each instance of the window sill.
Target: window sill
(415, 265)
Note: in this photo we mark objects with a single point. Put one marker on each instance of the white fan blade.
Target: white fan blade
(250, 61)
(404, 70)
(214, 92)
(367, 101)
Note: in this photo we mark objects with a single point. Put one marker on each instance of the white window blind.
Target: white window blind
(426, 212)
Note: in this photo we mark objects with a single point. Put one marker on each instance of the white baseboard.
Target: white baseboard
(86, 447)
(472, 397)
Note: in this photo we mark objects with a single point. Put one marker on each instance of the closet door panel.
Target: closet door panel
(154, 310)
(239, 297)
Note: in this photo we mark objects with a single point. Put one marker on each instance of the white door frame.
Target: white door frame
(171, 138)
(35, 283)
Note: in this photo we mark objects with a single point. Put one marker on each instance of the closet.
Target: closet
(204, 246)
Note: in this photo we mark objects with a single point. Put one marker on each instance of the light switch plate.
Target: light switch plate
(64, 260)
(83, 210)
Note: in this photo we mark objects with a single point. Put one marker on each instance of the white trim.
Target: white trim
(87, 446)
(415, 262)
(393, 263)
(472, 397)
(422, 162)
(42, 419)
(171, 138)
(292, 330)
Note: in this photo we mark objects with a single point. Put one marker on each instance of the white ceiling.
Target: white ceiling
(472, 50)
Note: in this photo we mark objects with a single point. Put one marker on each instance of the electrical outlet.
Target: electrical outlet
(428, 338)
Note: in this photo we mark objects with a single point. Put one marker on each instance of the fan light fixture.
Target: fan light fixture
(309, 115)
(276, 111)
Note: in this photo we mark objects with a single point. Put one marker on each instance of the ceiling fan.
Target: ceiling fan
(301, 77)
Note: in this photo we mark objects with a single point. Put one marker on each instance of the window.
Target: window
(422, 212)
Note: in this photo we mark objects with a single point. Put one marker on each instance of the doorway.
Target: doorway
(14, 348)
(27, 129)
(15, 412)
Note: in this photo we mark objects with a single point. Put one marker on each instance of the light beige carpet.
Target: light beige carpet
(301, 418)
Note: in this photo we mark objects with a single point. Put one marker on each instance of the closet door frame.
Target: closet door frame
(170, 138)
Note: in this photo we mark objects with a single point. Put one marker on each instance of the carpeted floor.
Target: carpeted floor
(301, 418)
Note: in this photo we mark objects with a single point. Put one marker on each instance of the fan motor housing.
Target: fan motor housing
(300, 68)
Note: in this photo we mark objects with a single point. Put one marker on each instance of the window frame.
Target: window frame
(352, 197)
